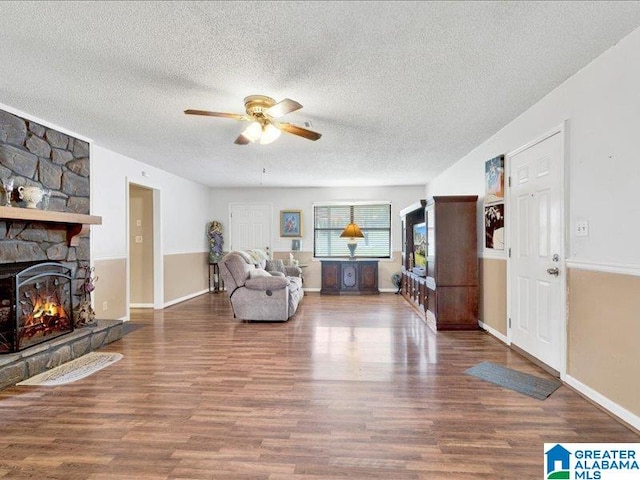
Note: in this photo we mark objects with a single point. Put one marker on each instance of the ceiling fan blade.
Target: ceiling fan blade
(206, 113)
(301, 132)
(282, 108)
(241, 140)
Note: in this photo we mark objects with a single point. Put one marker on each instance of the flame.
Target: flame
(44, 307)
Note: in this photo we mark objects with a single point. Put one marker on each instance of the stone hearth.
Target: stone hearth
(15, 367)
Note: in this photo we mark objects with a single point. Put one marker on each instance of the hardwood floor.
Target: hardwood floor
(353, 387)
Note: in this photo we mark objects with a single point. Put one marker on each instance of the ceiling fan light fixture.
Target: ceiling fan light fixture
(253, 132)
(261, 111)
(270, 133)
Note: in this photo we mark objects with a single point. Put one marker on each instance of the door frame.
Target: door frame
(266, 204)
(158, 266)
(564, 212)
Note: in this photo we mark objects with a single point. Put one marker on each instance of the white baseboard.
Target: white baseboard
(620, 412)
(313, 289)
(141, 305)
(185, 298)
(493, 332)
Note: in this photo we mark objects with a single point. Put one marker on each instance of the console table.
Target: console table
(349, 277)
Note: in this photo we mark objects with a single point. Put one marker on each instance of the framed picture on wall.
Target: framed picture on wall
(291, 223)
(295, 245)
(494, 226)
(494, 180)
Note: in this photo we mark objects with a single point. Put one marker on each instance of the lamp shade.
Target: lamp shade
(253, 132)
(270, 134)
(352, 231)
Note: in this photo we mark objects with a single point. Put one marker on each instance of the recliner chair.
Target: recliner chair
(257, 294)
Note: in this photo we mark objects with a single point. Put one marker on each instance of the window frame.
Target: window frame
(354, 204)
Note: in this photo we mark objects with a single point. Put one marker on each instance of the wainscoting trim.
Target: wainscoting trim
(493, 255)
(622, 268)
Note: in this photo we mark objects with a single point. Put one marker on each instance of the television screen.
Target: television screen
(420, 245)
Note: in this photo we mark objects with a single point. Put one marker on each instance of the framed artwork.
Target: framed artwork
(494, 180)
(494, 226)
(295, 245)
(291, 223)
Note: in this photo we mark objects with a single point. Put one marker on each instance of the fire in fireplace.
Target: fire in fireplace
(35, 304)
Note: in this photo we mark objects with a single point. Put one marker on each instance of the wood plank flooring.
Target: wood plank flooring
(355, 387)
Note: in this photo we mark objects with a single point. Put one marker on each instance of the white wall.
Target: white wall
(303, 199)
(601, 105)
(184, 205)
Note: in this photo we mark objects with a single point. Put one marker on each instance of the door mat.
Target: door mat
(531, 385)
(74, 370)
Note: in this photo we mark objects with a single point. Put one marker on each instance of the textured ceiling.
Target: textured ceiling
(399, 90)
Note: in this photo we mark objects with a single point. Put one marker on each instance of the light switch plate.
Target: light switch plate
(138, 238)
(582, 229)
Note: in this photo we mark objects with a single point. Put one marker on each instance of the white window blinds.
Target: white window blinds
(373, 219)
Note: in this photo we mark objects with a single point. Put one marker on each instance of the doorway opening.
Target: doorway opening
(144, 269)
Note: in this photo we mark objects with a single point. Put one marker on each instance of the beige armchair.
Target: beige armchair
(259, 295)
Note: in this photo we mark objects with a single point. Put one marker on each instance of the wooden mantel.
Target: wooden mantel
(76, 223)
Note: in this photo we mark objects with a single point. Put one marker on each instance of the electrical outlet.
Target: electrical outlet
(582, 229)
(138, 223)
(138, 238)
(105, 306)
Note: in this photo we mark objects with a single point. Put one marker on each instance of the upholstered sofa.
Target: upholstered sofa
(260, 289)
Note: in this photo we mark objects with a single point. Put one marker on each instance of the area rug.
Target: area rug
(531, 385)
(74, 370)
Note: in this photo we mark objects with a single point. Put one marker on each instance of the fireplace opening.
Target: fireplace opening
(35, 304)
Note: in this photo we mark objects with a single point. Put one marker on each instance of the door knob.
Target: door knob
(553, 271)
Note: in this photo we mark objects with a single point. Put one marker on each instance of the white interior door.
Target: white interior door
(250, 226)
(536, 272)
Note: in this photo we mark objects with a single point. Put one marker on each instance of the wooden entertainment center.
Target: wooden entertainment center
(446, 293)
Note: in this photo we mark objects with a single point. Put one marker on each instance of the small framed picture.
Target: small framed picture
(291, 223)
(494, 226)
(295, 245)
(494, 179)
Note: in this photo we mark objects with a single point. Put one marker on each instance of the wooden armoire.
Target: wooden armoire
(446, 295)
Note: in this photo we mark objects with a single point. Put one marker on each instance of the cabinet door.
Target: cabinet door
(369, 276)
(330, 277)
(349, 276)
(403, 221)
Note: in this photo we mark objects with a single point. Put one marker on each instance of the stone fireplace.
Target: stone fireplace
(42, 251)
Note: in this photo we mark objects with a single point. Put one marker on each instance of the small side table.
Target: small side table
(218, 284)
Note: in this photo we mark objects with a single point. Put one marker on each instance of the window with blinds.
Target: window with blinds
(374, 221)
